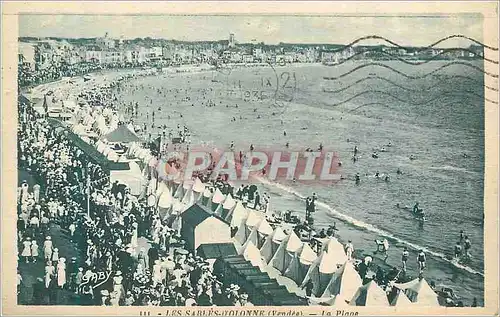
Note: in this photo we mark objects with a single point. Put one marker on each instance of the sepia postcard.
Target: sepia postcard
(250, 158)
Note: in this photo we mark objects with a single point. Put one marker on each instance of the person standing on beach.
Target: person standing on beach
(404, 258)
(349, 250)
(421, 259)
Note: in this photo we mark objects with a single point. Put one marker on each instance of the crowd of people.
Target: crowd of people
(112, 266)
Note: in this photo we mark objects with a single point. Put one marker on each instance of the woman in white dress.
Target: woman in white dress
(34, 251)
(156, 273)
(55, 255)
(117, 284)
(133, 240)
(26, 254)
(61, 272)
(49, 273)
(47, 248)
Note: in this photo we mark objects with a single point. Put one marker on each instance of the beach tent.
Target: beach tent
(272, 244)
(263, 231)
(335, 249)
(320, 273)
(344, 282)
(236, 216)
(206, 200)
(198, 189)
(247, 219)
(300, 263)
(226, 207)
(419, 292)
(188, 197)
(369, 295)
(217, 199)
(253, 220)
(286, 250)
(401, 300)
(252, 254)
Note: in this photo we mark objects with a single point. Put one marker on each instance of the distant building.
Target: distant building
(105, 42)
(231, 40)
(27, 55)
(94, 55)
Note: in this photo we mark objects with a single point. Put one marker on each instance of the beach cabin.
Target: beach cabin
(200, 226)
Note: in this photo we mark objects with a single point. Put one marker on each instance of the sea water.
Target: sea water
(437, 119)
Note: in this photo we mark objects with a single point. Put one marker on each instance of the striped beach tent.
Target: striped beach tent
(419, 292)
(272, 244)
(369, 295)
(264, 230)
(300, 263)
(401, 300)
(286, 250)
(344, 283)
(335, 249)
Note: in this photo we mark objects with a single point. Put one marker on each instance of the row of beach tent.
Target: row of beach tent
(334, 278)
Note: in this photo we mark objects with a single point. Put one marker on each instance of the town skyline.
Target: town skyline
(271, 30)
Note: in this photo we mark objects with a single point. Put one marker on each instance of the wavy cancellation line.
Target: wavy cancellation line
(403, 87)
(421, 103)
(415, 63)
(410, 76)
(378, 37)
(385, 105)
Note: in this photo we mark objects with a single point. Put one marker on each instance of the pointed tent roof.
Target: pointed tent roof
(278, 234)
(307, 255)
(198, 186)
(218, 197)
(267, 250)
(284, 255)
(207, 193)
(369, 295)
(334, 248)
(239, 215)
(293, 243)
(344, 283)
(229, 202)
(419, 292)
(121, 134)
(265, 228)
(401, 300)
(254, 218)
(252, 254)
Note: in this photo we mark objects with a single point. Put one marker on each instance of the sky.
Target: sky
(404, 30)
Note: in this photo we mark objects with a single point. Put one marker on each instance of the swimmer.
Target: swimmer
(458, 250)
